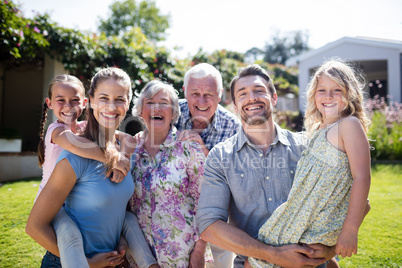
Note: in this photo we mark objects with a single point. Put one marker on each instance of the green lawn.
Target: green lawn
(17, 249)
(380, 237)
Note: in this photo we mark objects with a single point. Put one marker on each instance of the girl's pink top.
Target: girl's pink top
(52, 152)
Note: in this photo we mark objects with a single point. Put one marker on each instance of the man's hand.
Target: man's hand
(197, 259)
(321, 251)
(295, 256)
(188, 135)
(197, 255)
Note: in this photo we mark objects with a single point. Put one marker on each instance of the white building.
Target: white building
(379, 59)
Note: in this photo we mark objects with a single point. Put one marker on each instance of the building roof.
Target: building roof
(362, 41)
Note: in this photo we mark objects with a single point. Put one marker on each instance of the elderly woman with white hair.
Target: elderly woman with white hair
(167, 174)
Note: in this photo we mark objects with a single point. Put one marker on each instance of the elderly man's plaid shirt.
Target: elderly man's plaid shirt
(224, 125)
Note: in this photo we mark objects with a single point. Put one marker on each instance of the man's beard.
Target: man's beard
(257, 119)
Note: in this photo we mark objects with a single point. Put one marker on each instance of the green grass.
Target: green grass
(17, 249)
(380, 237)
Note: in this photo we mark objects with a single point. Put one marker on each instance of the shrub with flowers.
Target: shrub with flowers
(385, 131)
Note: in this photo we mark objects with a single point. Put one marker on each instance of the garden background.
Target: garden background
(130, 39)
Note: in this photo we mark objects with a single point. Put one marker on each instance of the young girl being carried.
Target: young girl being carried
(323, 206)
(66, 99)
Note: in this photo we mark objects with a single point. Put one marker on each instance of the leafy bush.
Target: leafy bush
(21, 40)
(290, 120)
(385, 131)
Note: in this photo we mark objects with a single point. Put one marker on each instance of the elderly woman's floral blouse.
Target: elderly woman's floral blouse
(166, 195)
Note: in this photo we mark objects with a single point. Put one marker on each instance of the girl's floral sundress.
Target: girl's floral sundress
(318, 201)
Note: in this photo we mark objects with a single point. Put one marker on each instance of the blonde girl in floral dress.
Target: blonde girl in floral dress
(167, 174)
(323, 206)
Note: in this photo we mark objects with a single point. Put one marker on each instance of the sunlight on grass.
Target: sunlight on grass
(17, 249)
(379, 237)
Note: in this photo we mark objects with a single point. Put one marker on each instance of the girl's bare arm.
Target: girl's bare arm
(356, 146)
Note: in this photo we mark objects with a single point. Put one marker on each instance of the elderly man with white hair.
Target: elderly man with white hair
(204, 120)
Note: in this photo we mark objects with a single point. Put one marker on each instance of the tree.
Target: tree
(253, 54)
(286, 46)
(129, 14)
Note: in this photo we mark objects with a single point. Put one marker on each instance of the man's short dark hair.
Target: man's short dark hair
(253, 69)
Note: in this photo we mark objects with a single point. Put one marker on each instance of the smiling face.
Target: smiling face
(110, 103)
(67, 102)
(253, 100)
(202, 98)
(157, 112)
(328, 99)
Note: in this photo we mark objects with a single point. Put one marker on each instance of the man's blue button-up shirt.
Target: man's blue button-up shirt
(244, 185)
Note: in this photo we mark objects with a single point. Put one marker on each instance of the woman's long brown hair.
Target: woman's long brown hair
(92, 132)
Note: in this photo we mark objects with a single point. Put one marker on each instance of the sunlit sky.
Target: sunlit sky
(239, 25)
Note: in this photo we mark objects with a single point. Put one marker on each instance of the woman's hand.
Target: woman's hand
(112, 258)
(105, 259)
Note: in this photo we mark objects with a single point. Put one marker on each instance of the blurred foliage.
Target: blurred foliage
(123, 45)
(82, 54)
(129, 14)
(284, 46)
(21, 41)
(285, 79)
(385, 130)
(229, 62)
(290, 120)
